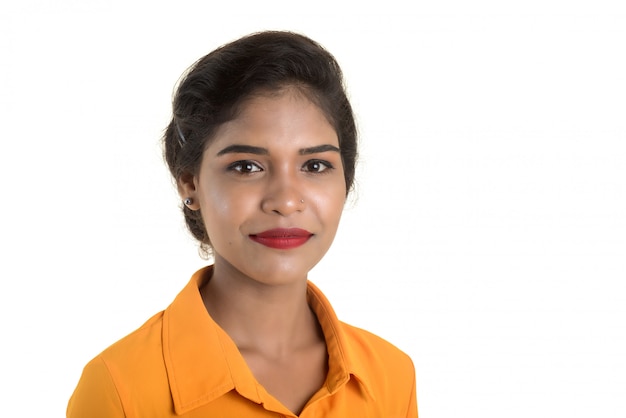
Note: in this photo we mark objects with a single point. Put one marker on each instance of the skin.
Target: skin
(291, 178)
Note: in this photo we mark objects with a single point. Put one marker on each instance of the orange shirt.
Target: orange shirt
(180, 363)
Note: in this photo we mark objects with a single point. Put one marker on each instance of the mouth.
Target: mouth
(282, 238)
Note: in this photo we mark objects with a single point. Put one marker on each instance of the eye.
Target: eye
(317, 166)
(245, 167)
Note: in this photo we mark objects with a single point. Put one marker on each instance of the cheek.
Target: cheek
(219, 209)
(332, 204)
(223, 208)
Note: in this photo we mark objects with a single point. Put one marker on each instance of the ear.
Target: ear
(187, 189)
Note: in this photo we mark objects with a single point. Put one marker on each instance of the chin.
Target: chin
(284, 273)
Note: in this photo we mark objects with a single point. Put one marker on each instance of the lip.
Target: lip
(282, 238)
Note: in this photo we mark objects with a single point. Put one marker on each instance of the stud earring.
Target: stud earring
(188, 201)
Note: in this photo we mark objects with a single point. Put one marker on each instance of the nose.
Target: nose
(284, 195)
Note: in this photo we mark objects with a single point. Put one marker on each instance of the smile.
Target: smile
(282, 238)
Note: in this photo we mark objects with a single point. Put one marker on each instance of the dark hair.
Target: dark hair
(213, 89)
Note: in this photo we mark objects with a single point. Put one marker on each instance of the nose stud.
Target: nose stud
(301, 200)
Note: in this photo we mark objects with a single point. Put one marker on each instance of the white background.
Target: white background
(487, 237)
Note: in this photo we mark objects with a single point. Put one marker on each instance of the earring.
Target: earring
(188, 201)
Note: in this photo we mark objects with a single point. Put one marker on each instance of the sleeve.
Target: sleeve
(96, 395)
(412, 409)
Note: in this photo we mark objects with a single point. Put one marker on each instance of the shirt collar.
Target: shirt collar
(203, 363)
(344, 358)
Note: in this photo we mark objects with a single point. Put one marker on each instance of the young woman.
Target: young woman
(262, 145)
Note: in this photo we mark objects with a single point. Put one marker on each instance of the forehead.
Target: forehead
(281, 119)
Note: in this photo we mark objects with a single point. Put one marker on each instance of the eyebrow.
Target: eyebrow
(249, 149)
(319, 148)
(243, 149)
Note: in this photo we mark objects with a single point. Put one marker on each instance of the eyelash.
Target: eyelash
(326, 166)
(238, 166)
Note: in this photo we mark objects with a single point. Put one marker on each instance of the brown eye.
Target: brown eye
(317, 166)
(245, 167)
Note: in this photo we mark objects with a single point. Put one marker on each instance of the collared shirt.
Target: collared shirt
(180, 363)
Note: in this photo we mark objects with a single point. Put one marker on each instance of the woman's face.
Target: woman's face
(271, 188)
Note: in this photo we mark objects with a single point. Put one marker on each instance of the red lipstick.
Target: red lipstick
(282, 238)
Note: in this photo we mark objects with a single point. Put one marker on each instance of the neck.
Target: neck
(274, 319)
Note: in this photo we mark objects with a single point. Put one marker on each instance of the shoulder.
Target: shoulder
(386, 371)
(377, 362)
(131, 365)
(135, 347)
(96, 394)
(368, 345)
(139, 355)
(146, 336)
